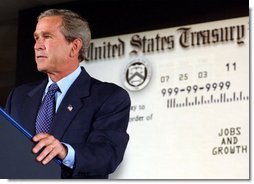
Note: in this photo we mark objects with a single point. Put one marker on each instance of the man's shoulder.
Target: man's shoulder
(28, 86)
(106, 87)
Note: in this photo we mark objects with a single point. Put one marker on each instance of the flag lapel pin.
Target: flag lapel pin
(70, 108)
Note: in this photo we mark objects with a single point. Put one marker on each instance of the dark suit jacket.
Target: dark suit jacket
(96, 127)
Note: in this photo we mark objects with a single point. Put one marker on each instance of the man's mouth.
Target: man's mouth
(38, 57)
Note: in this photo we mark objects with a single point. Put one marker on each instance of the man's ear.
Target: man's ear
(76, 46)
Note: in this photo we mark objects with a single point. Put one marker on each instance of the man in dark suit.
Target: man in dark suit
(87, 130)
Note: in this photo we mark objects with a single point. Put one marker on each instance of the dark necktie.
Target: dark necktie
(47, 110)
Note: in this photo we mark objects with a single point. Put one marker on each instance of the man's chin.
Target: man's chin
(41, 69)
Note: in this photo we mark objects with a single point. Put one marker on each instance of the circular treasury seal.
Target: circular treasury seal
(137, 74)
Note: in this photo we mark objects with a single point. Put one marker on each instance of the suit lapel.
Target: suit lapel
(31, 106)
(71, 104)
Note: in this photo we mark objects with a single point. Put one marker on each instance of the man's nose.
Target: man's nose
(39, 45)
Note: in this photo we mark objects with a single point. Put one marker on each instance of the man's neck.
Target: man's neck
(57, 76)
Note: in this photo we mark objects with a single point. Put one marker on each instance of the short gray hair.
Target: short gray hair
(74, 26)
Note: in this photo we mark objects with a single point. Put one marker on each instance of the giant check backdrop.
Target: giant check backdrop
(189, 87)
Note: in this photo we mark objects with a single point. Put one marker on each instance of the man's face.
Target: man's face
(52, 51)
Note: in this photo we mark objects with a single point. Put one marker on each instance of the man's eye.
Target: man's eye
(47, 36)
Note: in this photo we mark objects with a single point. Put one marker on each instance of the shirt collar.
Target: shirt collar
(65, 83)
